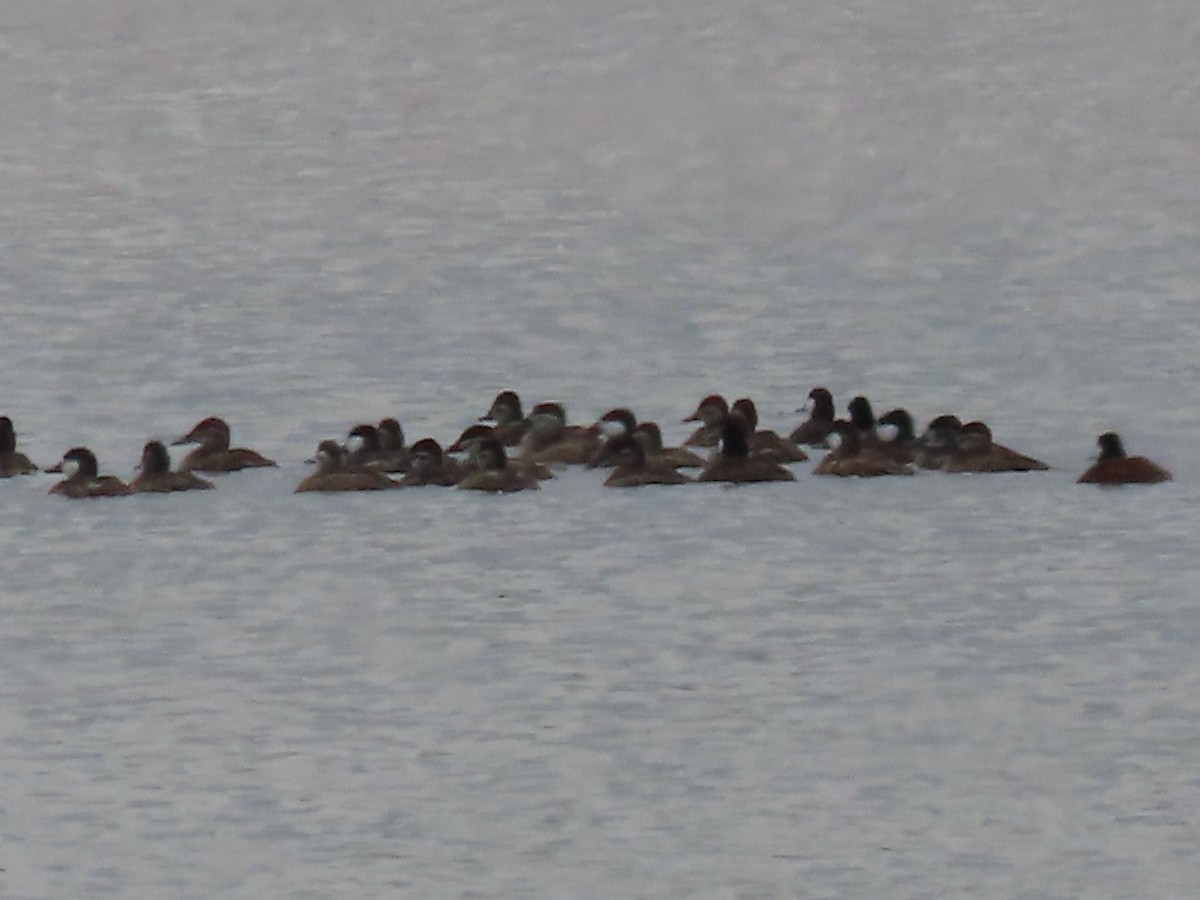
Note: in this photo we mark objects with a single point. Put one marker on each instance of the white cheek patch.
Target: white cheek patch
(612, 429)
(888, 432)
(354, 443)
(70, 467)
(834, 440)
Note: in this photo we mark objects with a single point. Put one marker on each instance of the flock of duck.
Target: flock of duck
(736, 450)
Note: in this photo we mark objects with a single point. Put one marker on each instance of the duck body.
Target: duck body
(214, 453)
(12, 462)
(429, 466)
(764, 442)
(815, 431)
(493, 473)
(977, 452)
(633, 469)
(332, 476)
(1114, 467)
(83, 481)
(712, 411)
(733, 463)
(156, 476)
(851, 459)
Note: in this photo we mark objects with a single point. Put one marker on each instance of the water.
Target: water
(299, 216)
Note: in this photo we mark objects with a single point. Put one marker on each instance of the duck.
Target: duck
(733, 461)
(938, 442)
(897, 435)
(649, 435)
(814, 431)
(155, 475)
(713, 412)
(80, 467)
(862, 417)
(618, 422)
(393, 455)
(852, 459)
(765, 442)
(633, 469)
(214, 453)
(363, 449)
(977, 452)
(493, 473)
(506, 412)
(12, 462)
(331, 475)
(428, 465)
(468, 441)
(550, 440)
(1113, 466)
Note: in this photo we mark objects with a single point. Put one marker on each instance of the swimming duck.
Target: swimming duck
(362, 449)
(393, 455)
(819, 424)
(156, 475)
(552, 441)
(851, 458)
(428, 465)
(332, 476)
(1112, 466)
(976, 452)
(765, 442)
(713, 411)
(649, 435)
(12, 462)
(506, 412)
(214, 453)
(897, 435)
(79, 465)
(733, 461)
(469, 440)
(493, 473)
(619, 422)
(938, 442)
(633, 469)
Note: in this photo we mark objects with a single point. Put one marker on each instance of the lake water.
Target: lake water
(304, 215)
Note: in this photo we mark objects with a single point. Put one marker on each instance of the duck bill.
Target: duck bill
(55, 469)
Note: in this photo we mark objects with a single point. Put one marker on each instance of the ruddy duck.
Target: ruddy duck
(765, 442)
(393, 455)
(713, 411)
(12, 462)
(156, 475)
(468, 443)
(733, 461)
(1112, 466)
(619, 422)
(632, 468)
(214, 453)
(505, 411)
(79, 465)
(649, 435)
(897, 435)
(331, 476)
(938, 443)
(428, 465)
(493, 473)
(362, 449)
(816, 429)
(552, 441)
(850, 458)
(976, 452)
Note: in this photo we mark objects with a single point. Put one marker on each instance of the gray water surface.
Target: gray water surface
(303, 215)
